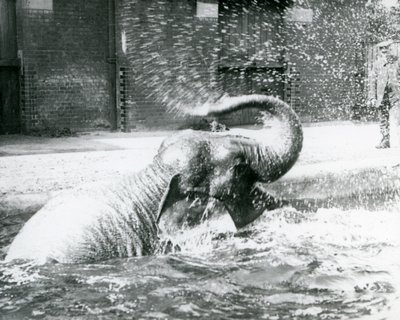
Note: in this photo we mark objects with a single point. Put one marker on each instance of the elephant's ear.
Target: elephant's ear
(171, 195)
(249, 206)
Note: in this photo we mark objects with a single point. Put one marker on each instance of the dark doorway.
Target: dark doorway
(9, 69)
(257, 80)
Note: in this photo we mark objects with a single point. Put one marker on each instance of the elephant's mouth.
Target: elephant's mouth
(204, 194)
(193, 209)
(200, 191)
(198, 205)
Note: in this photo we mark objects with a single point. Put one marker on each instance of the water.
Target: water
(328, 264)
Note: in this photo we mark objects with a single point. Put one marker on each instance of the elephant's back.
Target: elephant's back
(57, 231)
(99, 222)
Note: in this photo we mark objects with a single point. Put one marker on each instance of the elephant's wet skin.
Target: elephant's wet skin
(192, 172)
(186, 210)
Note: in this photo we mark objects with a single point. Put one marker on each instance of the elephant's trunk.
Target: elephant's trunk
(272, 155)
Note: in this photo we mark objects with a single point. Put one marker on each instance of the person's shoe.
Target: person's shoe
(385, 143)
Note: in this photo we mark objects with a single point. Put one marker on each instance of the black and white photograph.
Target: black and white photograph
(200, 159)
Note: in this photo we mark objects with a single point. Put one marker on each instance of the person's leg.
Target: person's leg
(384, 121)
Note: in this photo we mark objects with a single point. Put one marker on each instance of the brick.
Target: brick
(65, 65)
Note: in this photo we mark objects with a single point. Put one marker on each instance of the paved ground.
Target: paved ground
(39, 166)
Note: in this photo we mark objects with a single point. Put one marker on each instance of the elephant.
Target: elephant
(126, 218)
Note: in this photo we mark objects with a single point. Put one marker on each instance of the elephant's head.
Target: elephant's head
(228, 166)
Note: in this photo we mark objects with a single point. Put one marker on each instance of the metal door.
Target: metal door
(9, 69)
(251, 56)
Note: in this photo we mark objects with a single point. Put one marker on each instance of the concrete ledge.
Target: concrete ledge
(333, 183)
(22, 204)
(15, 210)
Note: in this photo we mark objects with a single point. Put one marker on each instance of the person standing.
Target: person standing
(384, 87)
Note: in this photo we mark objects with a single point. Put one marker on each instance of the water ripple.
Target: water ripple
(328, 264)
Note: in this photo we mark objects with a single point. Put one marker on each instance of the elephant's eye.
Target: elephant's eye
(240, 168)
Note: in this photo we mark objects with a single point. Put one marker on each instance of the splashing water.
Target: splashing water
(329, 264)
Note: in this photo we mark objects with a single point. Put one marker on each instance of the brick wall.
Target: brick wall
(65, 81)
(169, 59)
(327, 60)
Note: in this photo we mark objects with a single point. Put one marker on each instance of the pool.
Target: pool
(332, 262)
